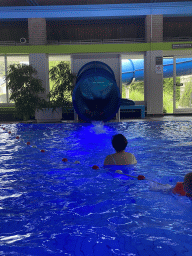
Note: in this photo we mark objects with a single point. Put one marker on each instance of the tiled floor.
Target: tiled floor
(147, 118)
(162, 118)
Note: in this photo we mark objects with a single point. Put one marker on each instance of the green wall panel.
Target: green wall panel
(88, 48)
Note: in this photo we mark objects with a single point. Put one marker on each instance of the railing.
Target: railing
(91, 41)
(99, 41)
(177, 39)
(124, 40)
(5, 43)
(71, 42)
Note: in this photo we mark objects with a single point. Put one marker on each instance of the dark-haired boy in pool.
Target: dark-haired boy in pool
(121, 157)
(184, 188)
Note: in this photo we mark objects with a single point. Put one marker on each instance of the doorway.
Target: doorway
(177, 85)
(182, 85)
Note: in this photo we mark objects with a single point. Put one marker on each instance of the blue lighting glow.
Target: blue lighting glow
(98, 11)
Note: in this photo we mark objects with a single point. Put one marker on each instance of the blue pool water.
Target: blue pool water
(51, 207)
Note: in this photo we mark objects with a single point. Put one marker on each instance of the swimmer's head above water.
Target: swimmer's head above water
(184, 188)
(187, 184)
(119, 142)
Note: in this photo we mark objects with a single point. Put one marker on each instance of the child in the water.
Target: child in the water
(184, 188)
(121, 157)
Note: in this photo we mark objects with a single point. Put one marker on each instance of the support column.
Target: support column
(41, 63)
(37, 31)
(37, 36)
(153, 81)
(154, 28)
(153, 70)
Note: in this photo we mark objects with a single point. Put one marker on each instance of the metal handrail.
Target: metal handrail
(177, 39)
(12, 43)
(99, 41)
(7, 42)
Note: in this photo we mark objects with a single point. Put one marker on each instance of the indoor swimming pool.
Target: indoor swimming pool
(54, 207)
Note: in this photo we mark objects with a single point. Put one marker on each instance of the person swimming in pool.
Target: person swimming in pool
(184, 188)
(121, 157)
(181, 188)
(187, 184)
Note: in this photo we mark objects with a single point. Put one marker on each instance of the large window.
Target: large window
(61, 30)
(177, 27)
(55, 60)
(13, 30)
(133, 77)
(3, 97)
(5, 61)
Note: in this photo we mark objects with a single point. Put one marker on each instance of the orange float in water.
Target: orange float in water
(178, 189)
(64, 160)
(95, 167)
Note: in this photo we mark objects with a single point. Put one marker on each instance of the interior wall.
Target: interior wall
(41, 63)
(153, 82)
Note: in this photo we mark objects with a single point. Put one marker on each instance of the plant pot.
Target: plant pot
(47, 115)
(26, 117)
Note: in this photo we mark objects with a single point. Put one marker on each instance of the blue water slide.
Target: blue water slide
(96, 95)
(133, 69)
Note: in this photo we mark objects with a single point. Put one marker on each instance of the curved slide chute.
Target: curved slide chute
(133, 69)
(96, 95)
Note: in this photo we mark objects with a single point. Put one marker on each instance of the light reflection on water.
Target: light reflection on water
(12, 239)
(50, 207)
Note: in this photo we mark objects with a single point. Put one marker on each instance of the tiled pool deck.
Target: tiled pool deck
(147, 118)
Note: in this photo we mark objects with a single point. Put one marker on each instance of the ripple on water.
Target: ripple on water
(52, 207)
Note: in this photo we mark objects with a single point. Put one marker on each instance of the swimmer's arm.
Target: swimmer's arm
(108, 160)
(134, 161)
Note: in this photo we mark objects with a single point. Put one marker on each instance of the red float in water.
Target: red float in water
(17, 137)
(64, 160)
(9, 132)
(3, 128)
(141, 177)
(28, 143)
(95, 167)
(42, 150)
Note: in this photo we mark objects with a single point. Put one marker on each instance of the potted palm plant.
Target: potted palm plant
(59, 96)
(24, 89)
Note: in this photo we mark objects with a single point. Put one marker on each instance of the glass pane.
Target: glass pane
(17, 59)
(133, 79)
(184, 83)
(3, 98)
(54, 60)
(167, 85)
